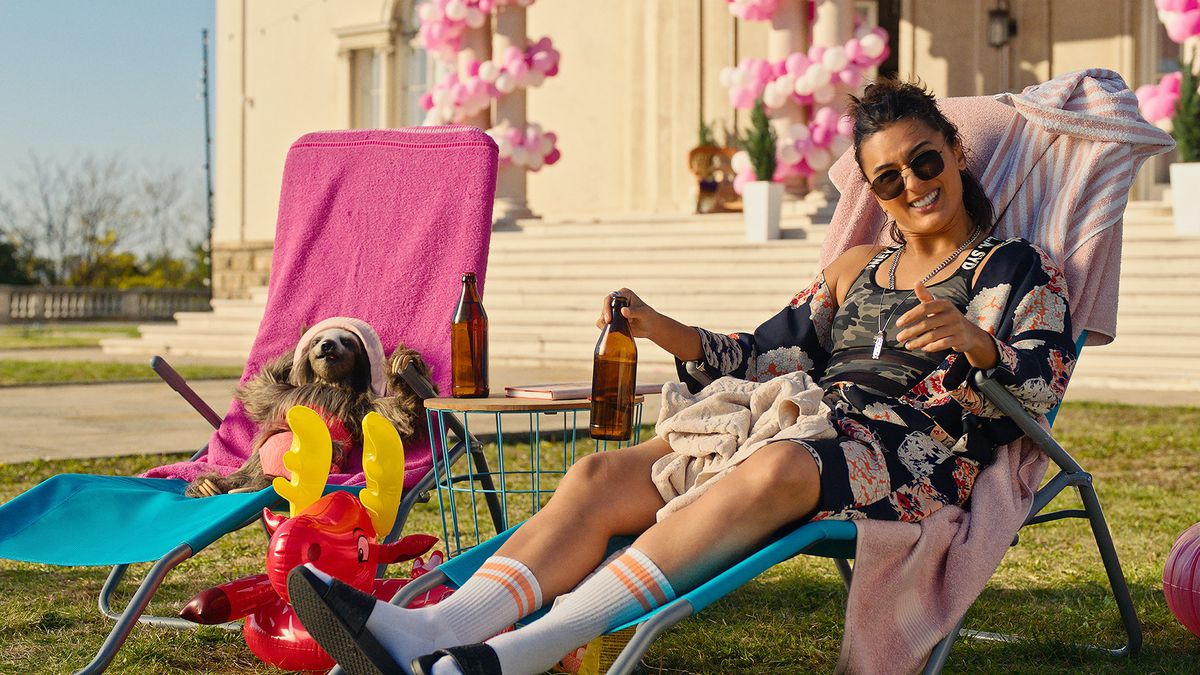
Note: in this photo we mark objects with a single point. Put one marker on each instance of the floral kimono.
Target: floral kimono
(913, 433)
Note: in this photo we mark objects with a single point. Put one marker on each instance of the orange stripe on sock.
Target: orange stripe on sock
(634, 588)
(643, 575)
(519, 577)
(518, 597)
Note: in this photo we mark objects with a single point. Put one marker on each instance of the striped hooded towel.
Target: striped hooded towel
(1058, 161)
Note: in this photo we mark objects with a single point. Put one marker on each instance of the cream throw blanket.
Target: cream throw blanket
(713, 431)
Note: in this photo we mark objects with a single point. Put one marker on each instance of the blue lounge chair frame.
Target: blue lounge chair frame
(837, 540)
(134, 611)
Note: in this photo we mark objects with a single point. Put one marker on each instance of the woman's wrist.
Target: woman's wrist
(983, 355)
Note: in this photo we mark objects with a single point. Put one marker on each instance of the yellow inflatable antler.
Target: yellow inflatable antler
(308, 459)
(383, 464)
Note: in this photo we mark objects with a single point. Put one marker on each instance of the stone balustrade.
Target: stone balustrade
(62, 303)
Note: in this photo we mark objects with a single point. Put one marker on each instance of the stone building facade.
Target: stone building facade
(636, 78)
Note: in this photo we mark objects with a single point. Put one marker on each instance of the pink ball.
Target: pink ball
(1181, 579)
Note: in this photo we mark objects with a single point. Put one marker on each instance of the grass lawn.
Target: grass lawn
(789, 620)
(13, 373)
(55, 335)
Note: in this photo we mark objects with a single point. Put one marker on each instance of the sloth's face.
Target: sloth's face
(333, 355)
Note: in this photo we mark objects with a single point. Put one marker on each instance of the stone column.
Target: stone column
(476, 46)
(511, 182)
(342, 85)
(387, 86)
(788, 34)
(833, 24)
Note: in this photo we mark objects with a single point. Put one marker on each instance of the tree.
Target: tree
(94, 222)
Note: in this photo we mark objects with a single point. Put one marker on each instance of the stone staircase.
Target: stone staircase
(546, 282)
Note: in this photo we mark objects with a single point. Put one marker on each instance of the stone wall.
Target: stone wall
(237, 267)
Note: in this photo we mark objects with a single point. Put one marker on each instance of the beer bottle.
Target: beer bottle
(469, 344)
(614, 372)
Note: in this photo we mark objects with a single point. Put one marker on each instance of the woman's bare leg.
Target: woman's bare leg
(603, 495)
(777, 485)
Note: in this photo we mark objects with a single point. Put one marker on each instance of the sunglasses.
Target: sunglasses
(890, 183)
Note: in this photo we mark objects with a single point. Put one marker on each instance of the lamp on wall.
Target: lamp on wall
(1001, 27)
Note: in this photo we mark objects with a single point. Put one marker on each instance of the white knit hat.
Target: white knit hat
(367, 335)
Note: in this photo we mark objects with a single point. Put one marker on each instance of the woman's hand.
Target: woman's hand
(642, 317)
(936, 325)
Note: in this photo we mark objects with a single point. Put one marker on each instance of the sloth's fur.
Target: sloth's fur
(275, 389)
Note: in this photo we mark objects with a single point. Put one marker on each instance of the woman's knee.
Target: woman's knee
(782, 472)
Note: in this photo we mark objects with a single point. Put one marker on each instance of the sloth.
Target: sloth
(337, 370)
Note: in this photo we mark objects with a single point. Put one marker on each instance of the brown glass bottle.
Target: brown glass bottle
(614, 374)
(469, 344)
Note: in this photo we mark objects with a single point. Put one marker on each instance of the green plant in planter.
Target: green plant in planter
(759, 143)
(1186, 121)
(706, 135)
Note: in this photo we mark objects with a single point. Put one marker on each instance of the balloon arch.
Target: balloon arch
(810, 79)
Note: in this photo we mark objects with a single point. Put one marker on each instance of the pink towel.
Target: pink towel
(1058, 161)
(378, 225)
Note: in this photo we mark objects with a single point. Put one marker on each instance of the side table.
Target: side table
(520, 449)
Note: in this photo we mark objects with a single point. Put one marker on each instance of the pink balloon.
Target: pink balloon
(851, 77)
(853, 49)
(427, 101)
(742, 99)
(1183, 25)
(553, 157)
(796, 64)
(1176, 5)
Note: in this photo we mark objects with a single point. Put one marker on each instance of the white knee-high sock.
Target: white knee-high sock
(501, 591)
(622, 590)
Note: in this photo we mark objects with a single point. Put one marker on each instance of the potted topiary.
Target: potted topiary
(1174, 105)
(1185, 174)
(762, 198)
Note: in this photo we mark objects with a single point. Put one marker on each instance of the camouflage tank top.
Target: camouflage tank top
(869, 308)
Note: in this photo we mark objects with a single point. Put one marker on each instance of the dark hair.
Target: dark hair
(887, 101)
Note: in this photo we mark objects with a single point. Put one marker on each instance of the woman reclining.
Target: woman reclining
(892, 336)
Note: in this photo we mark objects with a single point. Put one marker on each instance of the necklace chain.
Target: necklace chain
(881, 324)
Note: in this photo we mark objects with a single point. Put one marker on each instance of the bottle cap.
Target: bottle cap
(468, 276)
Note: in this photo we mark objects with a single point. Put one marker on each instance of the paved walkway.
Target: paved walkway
(93, 420)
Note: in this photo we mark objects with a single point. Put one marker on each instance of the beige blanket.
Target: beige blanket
(713, 431)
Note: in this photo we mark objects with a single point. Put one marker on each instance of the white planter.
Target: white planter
(1185, 186)
(761, 203)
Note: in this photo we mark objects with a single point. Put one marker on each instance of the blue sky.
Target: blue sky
(104, 78)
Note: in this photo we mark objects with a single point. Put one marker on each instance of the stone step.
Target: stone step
(615, 251)
(137, 346)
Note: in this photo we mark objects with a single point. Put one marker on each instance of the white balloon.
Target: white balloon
(488, 70)
(804, 85)
(456, 10)
(441, 97)
(428, 12)
(520, 156)
(536, 78)
(788, 154)
(534, 129)
(798, 132)
(872, 45)
(773, 98)
(545, 145)
(834, 60)
(740, 77)
(740, 162)
(726, 77)
(475, 18)
(819, 159)
(504, 83)
(536, 161)
(824, 94)
(818, 75)
(786, 82)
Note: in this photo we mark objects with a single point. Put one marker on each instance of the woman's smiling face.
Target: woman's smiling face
(925, 206)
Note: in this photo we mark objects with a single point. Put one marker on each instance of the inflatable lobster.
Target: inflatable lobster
(338, 532)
